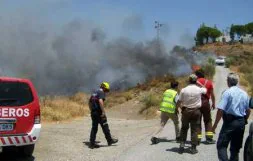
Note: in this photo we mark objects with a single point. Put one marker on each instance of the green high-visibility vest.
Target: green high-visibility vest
(168, 104)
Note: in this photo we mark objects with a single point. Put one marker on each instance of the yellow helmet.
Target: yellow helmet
(106, 85)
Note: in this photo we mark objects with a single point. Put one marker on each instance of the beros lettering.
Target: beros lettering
(14, 112)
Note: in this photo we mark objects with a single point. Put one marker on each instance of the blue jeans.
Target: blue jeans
(232, 132)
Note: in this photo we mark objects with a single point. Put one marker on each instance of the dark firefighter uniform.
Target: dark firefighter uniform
(96, 117)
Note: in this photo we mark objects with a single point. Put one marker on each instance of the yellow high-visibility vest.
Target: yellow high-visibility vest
(168, 104)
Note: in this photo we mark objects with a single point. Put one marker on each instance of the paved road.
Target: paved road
(68, 141)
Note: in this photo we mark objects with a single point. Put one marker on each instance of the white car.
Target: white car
(220, 60)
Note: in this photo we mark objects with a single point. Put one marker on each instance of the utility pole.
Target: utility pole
(158, 25)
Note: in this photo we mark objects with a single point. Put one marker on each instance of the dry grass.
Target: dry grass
(149, 94)
(61, 108)
(225, 49)
(116, 98)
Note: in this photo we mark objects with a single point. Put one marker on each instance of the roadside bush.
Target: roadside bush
(231, 60)
(209, 70)
(234, 60)
(149, 101)
(211, 61)
(227, 64)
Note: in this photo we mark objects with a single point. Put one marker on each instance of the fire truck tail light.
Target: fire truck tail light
(37, 116)
(37, 119)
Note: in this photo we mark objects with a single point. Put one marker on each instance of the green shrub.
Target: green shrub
(209, 70)
(211, 61)
(149, 101)
(231, 60)
(234, 60)
(227, 63)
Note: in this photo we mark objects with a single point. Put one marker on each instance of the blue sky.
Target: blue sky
(180, 17)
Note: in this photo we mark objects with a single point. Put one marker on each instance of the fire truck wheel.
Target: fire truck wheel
(27, 150)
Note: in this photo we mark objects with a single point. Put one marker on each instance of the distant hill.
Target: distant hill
(226, 49)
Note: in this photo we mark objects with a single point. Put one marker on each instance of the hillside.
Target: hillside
(226, 49)
(140, 102)
(239, 59)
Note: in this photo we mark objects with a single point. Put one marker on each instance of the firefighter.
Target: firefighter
(205, 107)
(168, 111)
(190, 103)
(98, 116)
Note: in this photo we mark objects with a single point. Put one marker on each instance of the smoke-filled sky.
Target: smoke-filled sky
(66, 46)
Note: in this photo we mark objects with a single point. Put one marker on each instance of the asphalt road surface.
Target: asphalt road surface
(69, 141)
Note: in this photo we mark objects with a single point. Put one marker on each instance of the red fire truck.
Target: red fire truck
(19, 115)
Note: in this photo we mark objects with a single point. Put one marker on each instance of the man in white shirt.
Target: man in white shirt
(190, 103)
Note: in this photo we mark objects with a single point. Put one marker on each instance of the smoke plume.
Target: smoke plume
(79, 56)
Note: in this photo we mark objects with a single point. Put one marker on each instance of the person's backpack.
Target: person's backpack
(251, 102)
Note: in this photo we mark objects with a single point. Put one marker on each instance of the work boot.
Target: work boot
(181, 148)
(112, 141)
(193, 149)
(210, 141)
(92, 146)
(154, 140)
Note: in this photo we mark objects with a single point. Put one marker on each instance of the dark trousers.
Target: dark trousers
(190, 117)
(231, 132)
(206, 114)
(97, 119)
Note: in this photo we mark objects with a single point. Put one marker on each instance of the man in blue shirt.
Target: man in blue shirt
(234, 109)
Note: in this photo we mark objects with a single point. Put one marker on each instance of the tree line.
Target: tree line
(205, 34)
(240, 30)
